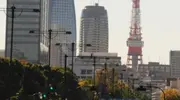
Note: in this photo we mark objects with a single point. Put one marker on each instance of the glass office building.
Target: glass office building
(62, 18)
(26, 46)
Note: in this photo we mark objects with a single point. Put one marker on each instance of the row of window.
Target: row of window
(85, 71)
(85, 77)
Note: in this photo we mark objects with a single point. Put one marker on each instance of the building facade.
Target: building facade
(154, 69)
(1, 53)
(25, 45)
(94, 29)
(175, 64)
(83, 65)
(62, 18)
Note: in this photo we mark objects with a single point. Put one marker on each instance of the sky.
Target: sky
(159, 21)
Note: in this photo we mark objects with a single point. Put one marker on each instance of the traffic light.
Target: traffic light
(44, 95)
(51, 88)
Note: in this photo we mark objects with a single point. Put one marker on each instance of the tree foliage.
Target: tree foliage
(105, 86)
(170, 94)
(22, 80)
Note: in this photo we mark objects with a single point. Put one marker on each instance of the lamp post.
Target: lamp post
(159, 89)
(113, 81)
(65, 67)
(72, 50)
(13, 9)
(12, 32)
(49, 52)
(148, 79)
(73, 45)
(105, 68)
(129, 83)
(94, 66)
(50, 32)
(121, 77)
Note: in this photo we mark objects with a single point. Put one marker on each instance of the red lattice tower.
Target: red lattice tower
(135, 42)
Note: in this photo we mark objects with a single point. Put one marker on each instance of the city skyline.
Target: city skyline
(160, 27)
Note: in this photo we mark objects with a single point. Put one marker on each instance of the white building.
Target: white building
(173, 83)
(155, 69)
(175, 64)
(94, 29)
(84, 68)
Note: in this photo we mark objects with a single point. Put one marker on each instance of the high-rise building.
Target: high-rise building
(94, 29)
(31, 47)
(62, 18)
(175, 64)
(1, 53)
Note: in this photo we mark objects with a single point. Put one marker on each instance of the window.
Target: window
(83, 71)
(89, 71)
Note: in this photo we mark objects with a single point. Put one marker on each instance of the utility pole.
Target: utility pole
(105, 71)
(50, 32)
(94, 64)
(121, 75)
(50, 37)
(113, 81)
(12, 33)
(73, 45)
(65, 67)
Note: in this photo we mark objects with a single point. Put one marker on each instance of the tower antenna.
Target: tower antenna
(134, 41)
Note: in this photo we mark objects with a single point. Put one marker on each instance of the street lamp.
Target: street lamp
(72, 50)
(105, 68)
(113, 81)
(94, 64)
(121, 78)
(50, 32)
(13, 9)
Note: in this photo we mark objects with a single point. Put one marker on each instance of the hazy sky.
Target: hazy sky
(160, 26)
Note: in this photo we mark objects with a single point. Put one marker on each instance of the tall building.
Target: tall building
(1, 53)
(62, 18)
(175, 64)
(25, 45)
(94, 29)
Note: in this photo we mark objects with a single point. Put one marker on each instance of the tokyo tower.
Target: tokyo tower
(134, 41)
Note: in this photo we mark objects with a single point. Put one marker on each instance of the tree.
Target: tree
(104, 80)
(10, 77)
(170, 94)
(22, 80)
